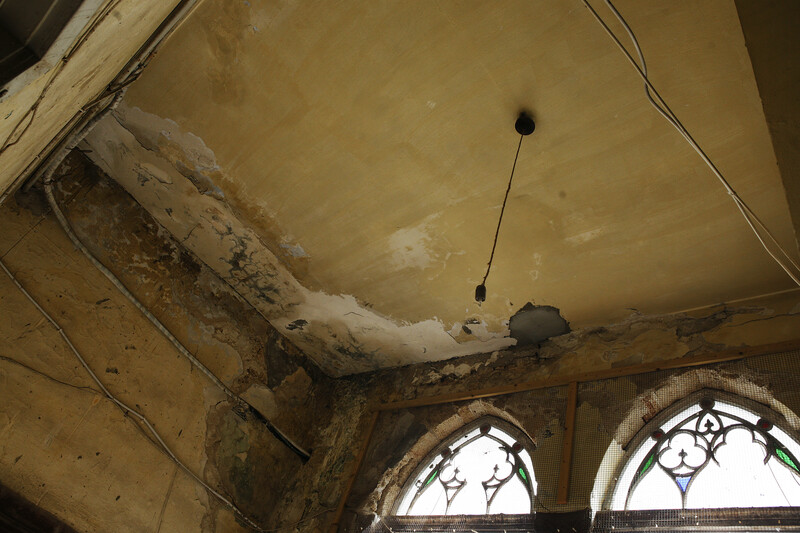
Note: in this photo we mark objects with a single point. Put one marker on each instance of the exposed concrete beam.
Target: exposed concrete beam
(35, 120)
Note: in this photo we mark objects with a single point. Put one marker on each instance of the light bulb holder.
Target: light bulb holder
(480, 293)
(524, 124)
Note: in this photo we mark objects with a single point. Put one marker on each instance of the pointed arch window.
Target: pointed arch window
(485, 468)
(713, 460)
(713, 453)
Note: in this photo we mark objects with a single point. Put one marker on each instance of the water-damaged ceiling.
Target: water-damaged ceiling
(343, 164)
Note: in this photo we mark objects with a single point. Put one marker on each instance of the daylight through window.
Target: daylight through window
(713, 454)
(482, 471)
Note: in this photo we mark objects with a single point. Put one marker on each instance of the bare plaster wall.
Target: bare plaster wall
(69, 450)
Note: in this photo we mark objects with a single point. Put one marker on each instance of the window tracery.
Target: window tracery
(714, 453)
(482, 470)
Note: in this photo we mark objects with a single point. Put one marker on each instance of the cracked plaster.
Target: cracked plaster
(145, 154)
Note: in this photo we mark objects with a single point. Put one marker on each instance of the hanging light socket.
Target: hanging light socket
(480, 293)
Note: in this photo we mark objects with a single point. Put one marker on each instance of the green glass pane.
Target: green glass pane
(786, 459)
(522, 475)
(647, 465)
(433, 476)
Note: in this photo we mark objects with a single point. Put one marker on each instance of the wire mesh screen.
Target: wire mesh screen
(577, 521)
(446, 524)
(617, 416)
(684, 424)
(717, 520)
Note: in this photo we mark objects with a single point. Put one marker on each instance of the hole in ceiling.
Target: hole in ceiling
(534, 323)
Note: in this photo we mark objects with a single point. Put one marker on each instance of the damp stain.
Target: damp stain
(297, 324)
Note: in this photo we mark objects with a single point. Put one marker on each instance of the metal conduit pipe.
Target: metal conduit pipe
(238, 402)
(57, 156)
(48, 168)
(63, 148)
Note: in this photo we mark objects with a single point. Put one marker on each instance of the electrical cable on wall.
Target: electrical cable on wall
(762, 233)
(117, 89)
(157, 440)
(237, 400)
(127, 410)
(47, 176)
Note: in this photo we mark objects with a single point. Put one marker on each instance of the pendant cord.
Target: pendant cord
(502, 210)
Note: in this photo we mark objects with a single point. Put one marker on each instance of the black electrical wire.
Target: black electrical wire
(480, 290)
(255, 413)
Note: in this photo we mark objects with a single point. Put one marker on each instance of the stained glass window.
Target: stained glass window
(480, 470)
(712, 454)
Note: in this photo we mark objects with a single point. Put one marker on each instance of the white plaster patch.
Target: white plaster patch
(455, 329)
(409, 247)
(380, 341)
(585, 237)
(295, 250)
(148, 127)
(146, 169)
(480, 330)
(457, 370)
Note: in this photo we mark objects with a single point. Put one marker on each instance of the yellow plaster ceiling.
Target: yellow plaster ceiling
(349, 159)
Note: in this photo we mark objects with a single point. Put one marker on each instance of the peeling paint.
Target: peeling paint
(295, 250)
(297, 324)
(341, 335)
(374, 341)
(151, 131)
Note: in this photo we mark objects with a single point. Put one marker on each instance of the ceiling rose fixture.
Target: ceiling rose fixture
(524, 126)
